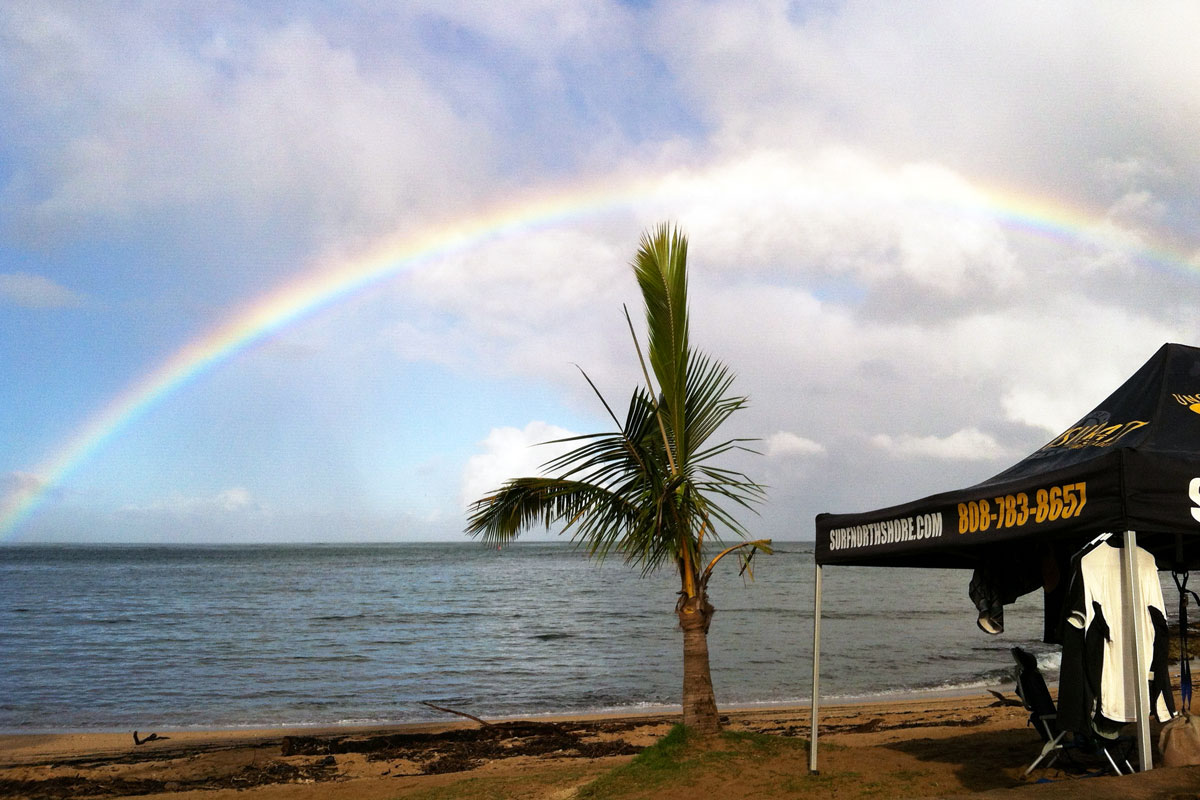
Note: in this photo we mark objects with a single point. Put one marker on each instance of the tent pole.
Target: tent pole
(816, 668)
(1132, 600)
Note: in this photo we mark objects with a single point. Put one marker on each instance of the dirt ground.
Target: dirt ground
(932, 747)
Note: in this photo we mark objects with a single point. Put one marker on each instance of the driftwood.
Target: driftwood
(154, 737)
(1001, 700)
(485, 723)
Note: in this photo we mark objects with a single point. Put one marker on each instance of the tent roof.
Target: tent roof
(1132, 463)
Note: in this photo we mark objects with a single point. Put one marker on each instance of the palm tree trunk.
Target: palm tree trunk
(699, 703)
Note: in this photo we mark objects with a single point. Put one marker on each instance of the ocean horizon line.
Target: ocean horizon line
(317, 543)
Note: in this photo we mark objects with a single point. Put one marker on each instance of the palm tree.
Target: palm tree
(650, 490)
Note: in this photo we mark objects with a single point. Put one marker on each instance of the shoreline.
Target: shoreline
(803, 703)
(931, 745)
(69, 743)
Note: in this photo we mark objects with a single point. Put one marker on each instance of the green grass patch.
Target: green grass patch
(683, 759)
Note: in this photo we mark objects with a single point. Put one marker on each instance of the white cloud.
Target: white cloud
(36, 291)
(968, 444)
(1060, 368)
(16, 488)
(786, 444)
(228, 501)
(233, 499)
(839, 213)
(1019, 95)
(510, 453)
(21, 482)
(288, 129)
(507, 302)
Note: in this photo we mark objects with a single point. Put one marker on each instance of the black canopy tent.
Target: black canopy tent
(1132, 465)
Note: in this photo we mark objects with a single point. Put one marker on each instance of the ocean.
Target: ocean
(113, 638)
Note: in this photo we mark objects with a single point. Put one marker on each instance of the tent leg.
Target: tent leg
(816, 670)
(1132, 600)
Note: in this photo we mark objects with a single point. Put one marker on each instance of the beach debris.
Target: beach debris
(459, 713)
(1001, 700)
(67, 787)
(154, 737)
(462, 749)
(870, 726)
(894, 722)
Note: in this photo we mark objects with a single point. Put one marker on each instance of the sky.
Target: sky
(329, 271)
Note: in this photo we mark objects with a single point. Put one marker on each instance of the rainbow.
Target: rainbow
(327, 285)
(286, 306)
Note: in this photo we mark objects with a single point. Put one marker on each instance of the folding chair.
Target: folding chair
(1043, 716)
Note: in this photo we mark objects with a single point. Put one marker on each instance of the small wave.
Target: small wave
(549, 637)
(913, 692)
(1051, 661)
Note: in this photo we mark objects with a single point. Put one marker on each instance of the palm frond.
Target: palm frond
(661, 269)
(708, 404)
(522, 503)
(754, 547)
(721, 449)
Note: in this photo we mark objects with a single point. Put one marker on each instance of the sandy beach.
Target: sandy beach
(921, 747)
